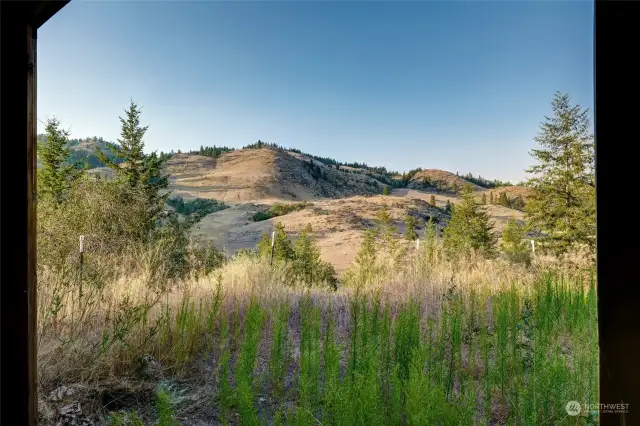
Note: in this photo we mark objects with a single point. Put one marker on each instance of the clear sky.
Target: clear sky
(460, 86)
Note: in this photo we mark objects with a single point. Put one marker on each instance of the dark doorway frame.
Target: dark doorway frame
(616, 77)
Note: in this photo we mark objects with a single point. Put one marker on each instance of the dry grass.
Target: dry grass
(98, 341)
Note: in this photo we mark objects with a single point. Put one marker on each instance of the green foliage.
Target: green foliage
(166, 417)
(308, 265)
(56, 176)
(485, 183)
(198, 208)
(454, 186)
(503, 200)
(563, 204)
(205, 259)
(280, 209)
(212, 151)
(513, 243)
(304, 256)
(469, 228)
(448, 208)
(315, 170)
(134, 167)
(385, 190)
(517, 203)
(245, 391)
(410, 223)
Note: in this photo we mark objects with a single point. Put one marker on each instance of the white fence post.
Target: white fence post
(273, 244)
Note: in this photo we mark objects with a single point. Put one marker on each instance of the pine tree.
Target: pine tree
(517, 203)
(432, 200)
(56, 176)
(410, 223)
(513, 244)
(563, 204)
(484, 199)
(138, 171)
(469, 228)
(385, 190)
(282, 247)
(306, 255)
(448, 207)
(504, 200)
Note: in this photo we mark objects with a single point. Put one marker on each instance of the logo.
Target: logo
(573, 408)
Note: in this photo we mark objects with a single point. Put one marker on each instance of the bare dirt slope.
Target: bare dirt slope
(263, 174)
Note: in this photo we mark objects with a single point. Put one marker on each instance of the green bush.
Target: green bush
(199, 208)
(514, 245)
(280, 209)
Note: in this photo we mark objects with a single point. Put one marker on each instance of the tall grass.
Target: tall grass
(432, 343)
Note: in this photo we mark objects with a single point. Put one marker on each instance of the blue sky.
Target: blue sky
(460, 86)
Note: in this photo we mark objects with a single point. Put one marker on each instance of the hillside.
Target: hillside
(338, 224)
(344, 198)
(435, 178)
(512, 191)
(264, 174)
(85, 151)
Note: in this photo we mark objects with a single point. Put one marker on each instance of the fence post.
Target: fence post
(533, 247)
(81, 260)
(273, 244)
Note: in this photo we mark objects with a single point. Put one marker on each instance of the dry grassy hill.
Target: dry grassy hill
(338, 224)
(263, 174)
(511, 191)
(344, 200)
(446, 180)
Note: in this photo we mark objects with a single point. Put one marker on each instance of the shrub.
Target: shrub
(410, 223)
(469, 228)
(198, 208)
(280, 209)
(513, 243)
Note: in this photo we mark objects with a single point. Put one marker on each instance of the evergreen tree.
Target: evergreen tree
(306, 255)
(517, 203)
(469, 228)
(282, 247)
(365, 261)
(385, 190)
(448, 207)
(56, 176)
(387, 229)
(484, 199)
(138, 170)
(410, 223)
(504, 200)
(513, 244)
(563, 204)
(432, 200)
